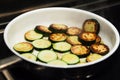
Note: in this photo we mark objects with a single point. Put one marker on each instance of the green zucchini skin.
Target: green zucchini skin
(41, 44)
(47, 56)
(91, 25)
(23, 47)
(61, 46)
(70, 59)
(29, 56)
(58, 28)
(31, 35)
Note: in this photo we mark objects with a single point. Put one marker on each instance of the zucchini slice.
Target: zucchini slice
(57, 62)
(61, 46)
(73, 31)
(41, 44)
(29, 56)
(91, 25)
(70, 58)
(99, 48)
(47, 56)
(87, 38)
(31, 35)
(80, 50)
(98, 39)
(42, 29)
(93, 57)
(58, 27)
(73, 40)
(23, 47)
(56, 37)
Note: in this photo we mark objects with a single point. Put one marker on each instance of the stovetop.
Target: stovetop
(106, 70)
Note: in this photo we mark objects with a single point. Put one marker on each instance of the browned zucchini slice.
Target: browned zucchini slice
(56, 37)
(32, 35)
(73, 31)
(93, 57)
(91, 25)
(87, 38)
(99, 48)
(73, 40)
(58, 27)
(23, 47)
(42, 29)
(80, 50)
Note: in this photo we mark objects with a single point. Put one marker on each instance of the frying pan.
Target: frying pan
(15, 30)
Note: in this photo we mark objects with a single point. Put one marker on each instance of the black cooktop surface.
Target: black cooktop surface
(106, 70)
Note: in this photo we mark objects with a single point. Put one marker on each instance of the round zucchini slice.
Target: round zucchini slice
(29, 56)
(80, 50)
(73, 40)
(93, 57)
(41, 44)
(91, 25)
(99, 48)
(87, 38)
(61, 46)
(70, 58)
(73, 31)
(23, 47)
(56, 37)
(98, 39)
(58, 27)
(42, 29)
(57, 62)
(31, 35)
(47, 56)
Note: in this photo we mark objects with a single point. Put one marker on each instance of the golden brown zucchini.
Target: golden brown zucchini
(93, 57)
(98, 39)
(87, 38)
(73, 40)
(80, 50)
(91, 25)
(99, 48)
(73, 31)
(23, 47)
(31, 35)
(56, 37)
(58, 27)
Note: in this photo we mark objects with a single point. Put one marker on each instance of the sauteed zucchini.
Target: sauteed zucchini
(60, 45)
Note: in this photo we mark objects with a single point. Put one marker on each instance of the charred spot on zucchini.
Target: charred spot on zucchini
(91, 25)
(93, 57)
(73, 40)
(57, 62)
(47, 56)
(29, 56)
(70, 58)
(61, 46)
(99, 48)
(73, 31)
(87, 38)
(56, 37)
(41, 44)
(58, 27)
(80, 50)
(42, 29)
(32, 35)
(23, 47)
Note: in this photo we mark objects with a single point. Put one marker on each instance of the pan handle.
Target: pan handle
(6, 62)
